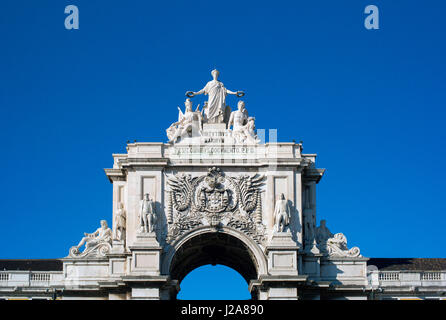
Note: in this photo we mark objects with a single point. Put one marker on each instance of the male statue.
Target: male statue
(147, 216)
(216, 104)
(239, 117)
(120, 223)
(323, 233)
(281, 214)
(242, 126)
(102, 234)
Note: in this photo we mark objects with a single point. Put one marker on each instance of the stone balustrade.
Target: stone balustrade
(407, 278)
(31, 278)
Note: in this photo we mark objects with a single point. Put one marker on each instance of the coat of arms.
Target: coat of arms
(213, 199)
(214, 194)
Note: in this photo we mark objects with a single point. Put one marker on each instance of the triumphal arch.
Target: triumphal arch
(214, 193)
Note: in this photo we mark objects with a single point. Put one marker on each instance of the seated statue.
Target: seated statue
(250, 131)
(98, 242)
(242, 126)
(189, 124)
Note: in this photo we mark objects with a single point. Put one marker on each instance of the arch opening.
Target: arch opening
(214, 248)
(214, 283)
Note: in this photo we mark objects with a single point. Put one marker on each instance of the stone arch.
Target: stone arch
(206, 245)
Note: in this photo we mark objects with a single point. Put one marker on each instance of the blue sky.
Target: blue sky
(371, 104)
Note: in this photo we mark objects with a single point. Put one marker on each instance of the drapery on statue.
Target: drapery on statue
(147, 215)
(119, 229)
(333, 245)
(215, 108)
(98, 242)
(281, 214)
(188, 124)
(242, 126)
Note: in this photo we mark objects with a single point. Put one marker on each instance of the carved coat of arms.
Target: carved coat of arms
(215, 199)
(212, 194)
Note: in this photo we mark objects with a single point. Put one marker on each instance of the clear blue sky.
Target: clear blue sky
(371, 104)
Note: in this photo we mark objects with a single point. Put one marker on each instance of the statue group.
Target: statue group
(214, 111)
(333, 244)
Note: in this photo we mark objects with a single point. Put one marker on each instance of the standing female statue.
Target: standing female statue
(216, 104)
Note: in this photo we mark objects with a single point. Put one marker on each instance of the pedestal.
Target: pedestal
(146, 239)
(214, 133)
(146, 254)
(282, 254)
(118, 247)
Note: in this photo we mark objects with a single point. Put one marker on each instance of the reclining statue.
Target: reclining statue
(97, 243)
(333, 245)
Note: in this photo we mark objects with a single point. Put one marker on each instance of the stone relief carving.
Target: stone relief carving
(282, 214)
(334, 245)
(147, 215)
(97, 243)
(119, 229)
(215, 199)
